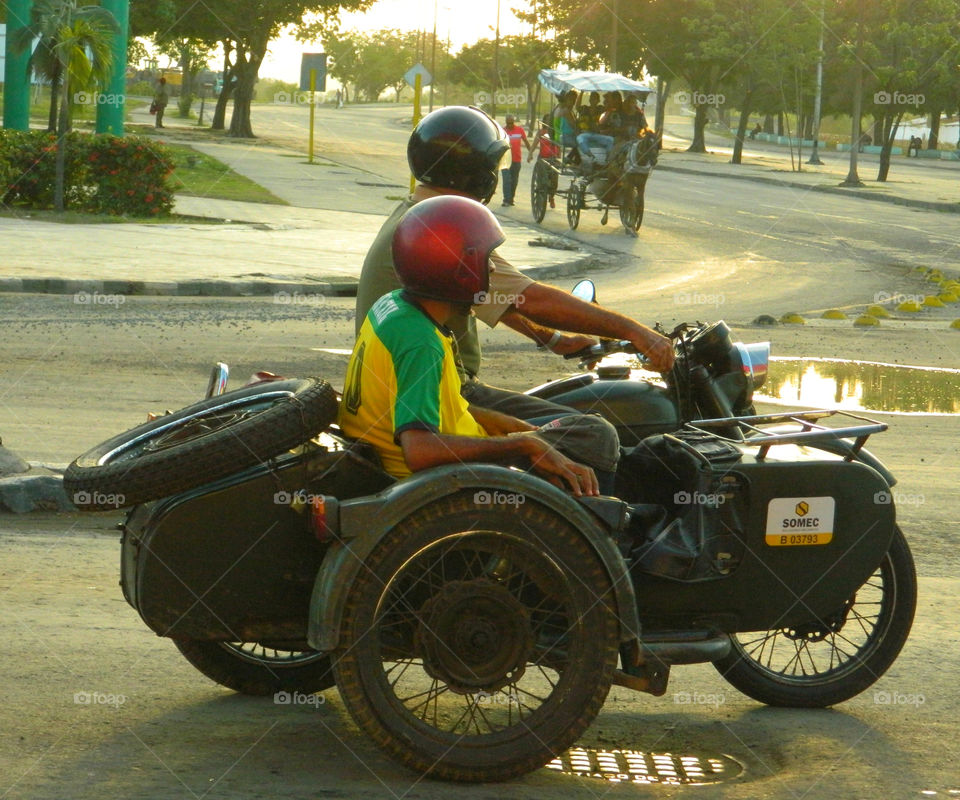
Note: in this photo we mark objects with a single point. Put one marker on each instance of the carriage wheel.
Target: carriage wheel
(539, 191)
(574, 204)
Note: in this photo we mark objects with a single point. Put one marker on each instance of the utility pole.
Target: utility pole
(613, 35)
(853, 179)
(496, 67)
(433, 54)
(814, 154)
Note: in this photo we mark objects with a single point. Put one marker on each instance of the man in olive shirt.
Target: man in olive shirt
(457, 150)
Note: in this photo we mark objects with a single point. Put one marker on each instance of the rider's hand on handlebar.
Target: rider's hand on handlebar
(657, 349)
(573, 343)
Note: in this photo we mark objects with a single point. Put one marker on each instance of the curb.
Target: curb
(92, 292)
(24, 493)
(930, 205)
(87, 292)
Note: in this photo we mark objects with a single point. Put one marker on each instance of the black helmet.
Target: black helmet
(458, 147)
(441, 248)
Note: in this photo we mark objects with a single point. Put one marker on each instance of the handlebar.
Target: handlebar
(604, 348)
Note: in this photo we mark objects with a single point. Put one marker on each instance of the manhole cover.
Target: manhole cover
(634, 766)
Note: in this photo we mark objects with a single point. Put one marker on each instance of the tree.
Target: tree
(49, 22)
(520, 60)
(75, 48)
(244, 28)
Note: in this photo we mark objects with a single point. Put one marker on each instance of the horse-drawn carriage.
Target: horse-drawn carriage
(614, 179)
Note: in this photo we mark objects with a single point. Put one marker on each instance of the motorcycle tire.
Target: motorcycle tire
(479, 640)
(201, 443)
(875, 640)
(258, 670)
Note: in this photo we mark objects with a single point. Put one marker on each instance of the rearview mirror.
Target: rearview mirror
(585, 290)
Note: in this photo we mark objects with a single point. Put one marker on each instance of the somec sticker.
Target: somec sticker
(793, 521)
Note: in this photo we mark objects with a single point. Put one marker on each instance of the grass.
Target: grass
(78, 218)
(201, 175)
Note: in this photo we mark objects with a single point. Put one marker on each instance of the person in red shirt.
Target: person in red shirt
(511, 176)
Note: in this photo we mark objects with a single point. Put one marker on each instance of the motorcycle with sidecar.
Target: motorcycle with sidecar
(474, 617)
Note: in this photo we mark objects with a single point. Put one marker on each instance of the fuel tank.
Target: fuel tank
(637, 407)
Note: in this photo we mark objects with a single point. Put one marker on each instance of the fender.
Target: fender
(362, 523)
(842, 447)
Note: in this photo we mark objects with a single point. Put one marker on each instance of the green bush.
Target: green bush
(104, 174)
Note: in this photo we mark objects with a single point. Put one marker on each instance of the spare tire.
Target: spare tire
(200, 443)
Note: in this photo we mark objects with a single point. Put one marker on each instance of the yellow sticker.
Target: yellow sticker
(799, 521)
(795, 539)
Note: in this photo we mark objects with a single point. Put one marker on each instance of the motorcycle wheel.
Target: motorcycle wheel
(574, 203)
(479, 639)
(254, 669)
(631, 203)
(539, 191)
(201, 443)
(817, 669)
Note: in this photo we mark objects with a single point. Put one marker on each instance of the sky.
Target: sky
(465, 21)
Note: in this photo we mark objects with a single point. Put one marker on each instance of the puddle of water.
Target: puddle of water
(862, 385)
(634, 766)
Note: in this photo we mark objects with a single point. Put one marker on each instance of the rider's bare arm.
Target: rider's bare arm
(423, 449)
(565, 343)
(497, 423)
(548, 305)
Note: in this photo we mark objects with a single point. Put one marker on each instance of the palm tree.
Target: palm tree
(74, 54)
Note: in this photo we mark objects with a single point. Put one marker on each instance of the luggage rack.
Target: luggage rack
(810, 432)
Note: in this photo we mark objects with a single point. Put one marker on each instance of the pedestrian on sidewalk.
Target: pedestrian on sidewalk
(160, 100)
(511, 176)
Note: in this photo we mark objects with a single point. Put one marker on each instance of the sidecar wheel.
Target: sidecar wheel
(200, 443)
(255, 669)
(478, 641)
(785, 668)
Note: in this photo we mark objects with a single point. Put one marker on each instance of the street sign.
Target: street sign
(410, 76)
(317, 61)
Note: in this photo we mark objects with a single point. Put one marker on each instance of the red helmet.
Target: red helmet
(459, 148)
(442, 246)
